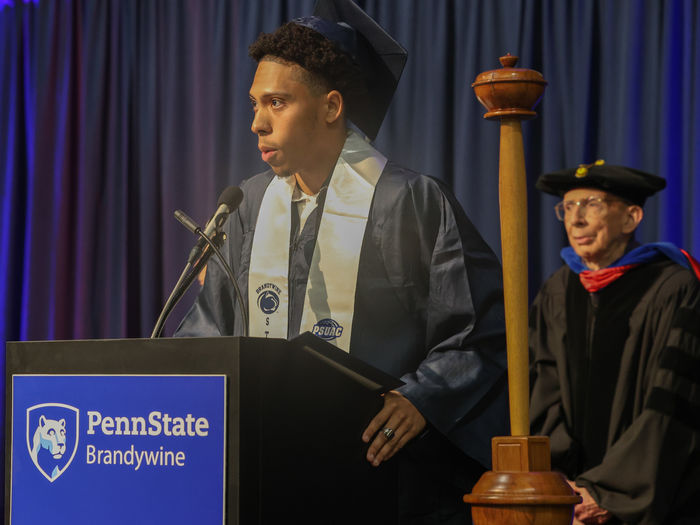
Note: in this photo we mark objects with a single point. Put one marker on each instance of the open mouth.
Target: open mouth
(266, 153)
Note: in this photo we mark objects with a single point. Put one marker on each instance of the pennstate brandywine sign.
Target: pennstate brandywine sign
(118, 449)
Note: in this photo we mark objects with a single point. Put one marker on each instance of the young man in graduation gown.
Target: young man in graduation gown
(615, 335)
(381, 261)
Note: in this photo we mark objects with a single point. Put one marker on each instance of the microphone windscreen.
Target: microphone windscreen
(231, 197)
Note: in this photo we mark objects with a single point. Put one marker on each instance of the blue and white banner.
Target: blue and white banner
(118, 449)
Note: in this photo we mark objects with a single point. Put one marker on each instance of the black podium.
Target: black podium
(295, 414)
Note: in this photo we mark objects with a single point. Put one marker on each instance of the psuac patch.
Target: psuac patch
(327, 329)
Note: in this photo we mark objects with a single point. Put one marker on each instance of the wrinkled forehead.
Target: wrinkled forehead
(582, 193)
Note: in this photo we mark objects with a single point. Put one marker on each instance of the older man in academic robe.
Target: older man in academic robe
(615, 338)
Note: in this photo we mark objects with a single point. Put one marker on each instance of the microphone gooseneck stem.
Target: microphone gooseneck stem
(175, 295)
(187, 278)
(229, 200)
(229, 273)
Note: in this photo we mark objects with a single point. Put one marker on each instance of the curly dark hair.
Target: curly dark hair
(326, 66)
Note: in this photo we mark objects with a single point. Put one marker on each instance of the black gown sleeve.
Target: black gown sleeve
(460, 384)
(651, 473)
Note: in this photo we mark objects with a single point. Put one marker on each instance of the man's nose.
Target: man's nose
(579, 214)
(260, 124)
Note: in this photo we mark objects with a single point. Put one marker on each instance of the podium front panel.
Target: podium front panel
(120, 449)
(293, 449)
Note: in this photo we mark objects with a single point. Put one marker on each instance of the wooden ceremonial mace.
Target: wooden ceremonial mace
(521, 489)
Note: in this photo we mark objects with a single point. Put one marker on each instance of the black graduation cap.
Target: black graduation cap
(380, 57)
(630, 184)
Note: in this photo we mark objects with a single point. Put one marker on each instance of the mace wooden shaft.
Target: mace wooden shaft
(509, 95)
(513, 208)
(520, 490)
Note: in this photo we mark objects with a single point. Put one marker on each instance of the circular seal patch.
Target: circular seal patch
(268, 302)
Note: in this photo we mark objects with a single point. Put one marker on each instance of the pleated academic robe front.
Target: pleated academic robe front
(617, 388)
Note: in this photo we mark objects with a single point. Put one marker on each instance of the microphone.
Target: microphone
(229, 200)
(187, 221)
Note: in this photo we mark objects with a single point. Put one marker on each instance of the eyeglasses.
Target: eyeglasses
(593, 205)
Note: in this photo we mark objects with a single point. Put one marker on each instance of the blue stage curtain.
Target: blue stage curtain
(115, 113)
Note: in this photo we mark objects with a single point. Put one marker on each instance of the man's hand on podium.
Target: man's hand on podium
(395, 425)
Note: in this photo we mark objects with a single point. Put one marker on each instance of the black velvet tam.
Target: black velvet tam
(628, 183)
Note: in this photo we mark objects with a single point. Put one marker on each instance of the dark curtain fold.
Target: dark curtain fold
(115, 113)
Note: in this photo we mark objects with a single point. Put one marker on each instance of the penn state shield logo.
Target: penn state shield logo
(327, 329)
(268, 302)
(52, 437)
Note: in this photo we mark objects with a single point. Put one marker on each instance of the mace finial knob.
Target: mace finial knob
(508, 60)
(509, 92)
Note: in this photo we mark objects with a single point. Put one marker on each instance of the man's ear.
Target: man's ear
(335, 106)
(633, 216)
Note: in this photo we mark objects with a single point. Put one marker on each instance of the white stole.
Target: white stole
(330, 290)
